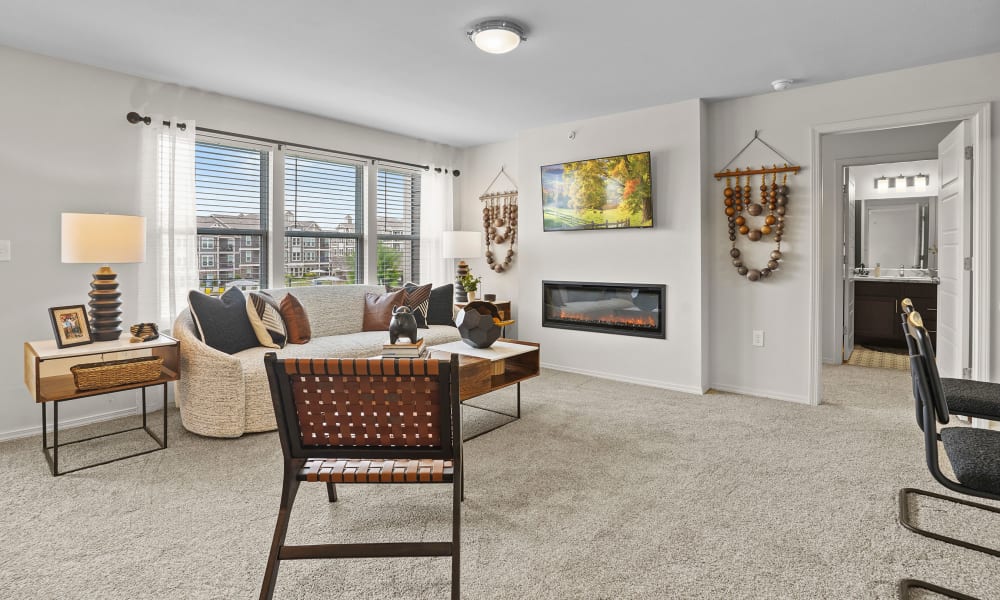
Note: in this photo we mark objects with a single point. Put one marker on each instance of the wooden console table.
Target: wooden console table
(48, 379)
(485, 370)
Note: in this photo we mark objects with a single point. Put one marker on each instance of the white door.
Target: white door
(954, 229)
(849, 264)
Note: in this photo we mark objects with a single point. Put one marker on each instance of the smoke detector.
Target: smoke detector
(781, 84)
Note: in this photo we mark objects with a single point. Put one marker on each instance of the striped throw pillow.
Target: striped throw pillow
(265, 318)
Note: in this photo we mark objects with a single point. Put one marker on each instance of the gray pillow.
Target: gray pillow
(222, 322)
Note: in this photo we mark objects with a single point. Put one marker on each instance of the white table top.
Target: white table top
(498, 351)
(48, 349)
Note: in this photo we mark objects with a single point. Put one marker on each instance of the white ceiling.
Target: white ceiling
(406, 66)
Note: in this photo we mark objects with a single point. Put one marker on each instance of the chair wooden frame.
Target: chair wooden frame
(934, 409)
(288, 379)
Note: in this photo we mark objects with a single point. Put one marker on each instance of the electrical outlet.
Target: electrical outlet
(5, 250)
(758, 337)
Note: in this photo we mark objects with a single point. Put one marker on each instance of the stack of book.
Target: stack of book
(403, 350)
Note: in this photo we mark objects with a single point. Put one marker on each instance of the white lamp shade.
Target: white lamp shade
(461, 244)
(104, 239)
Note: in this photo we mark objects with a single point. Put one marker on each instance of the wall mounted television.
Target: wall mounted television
(599, 193)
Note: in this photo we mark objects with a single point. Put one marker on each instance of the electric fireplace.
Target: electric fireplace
(622, 308)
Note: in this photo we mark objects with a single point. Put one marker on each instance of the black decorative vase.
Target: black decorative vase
(476, 326)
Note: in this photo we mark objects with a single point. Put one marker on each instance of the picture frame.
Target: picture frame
(70, 325)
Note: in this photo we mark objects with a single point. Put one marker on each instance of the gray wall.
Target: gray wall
(65, 147)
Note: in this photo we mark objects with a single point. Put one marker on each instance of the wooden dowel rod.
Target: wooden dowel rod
(758, 172)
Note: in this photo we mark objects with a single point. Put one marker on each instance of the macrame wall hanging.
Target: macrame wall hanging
(500, 223)
(746, 217)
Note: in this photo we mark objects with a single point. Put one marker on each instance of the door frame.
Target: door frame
(840, 165)
(978, 116)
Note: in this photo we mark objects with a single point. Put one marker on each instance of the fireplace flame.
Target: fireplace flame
(614, 320)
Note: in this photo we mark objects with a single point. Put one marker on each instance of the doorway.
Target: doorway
(827, 297)
(889, 253)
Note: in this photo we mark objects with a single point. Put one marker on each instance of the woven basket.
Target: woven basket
(94, 376)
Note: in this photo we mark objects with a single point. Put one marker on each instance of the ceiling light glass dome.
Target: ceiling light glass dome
(497, 37)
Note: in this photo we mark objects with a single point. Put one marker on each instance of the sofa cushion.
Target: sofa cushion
(418, 297)
(266, 320)
(332, 309)
(378, 309)
(222, 322)
(441, 307)
(296, 320)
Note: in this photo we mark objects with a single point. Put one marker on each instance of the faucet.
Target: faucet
(902, 268)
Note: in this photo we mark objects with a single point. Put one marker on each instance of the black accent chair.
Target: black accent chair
(965, 397)
(974, 453)
(366, 421)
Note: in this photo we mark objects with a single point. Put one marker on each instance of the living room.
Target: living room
(705, 465)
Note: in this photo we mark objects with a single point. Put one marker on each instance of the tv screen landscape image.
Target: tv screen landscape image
(599, 193)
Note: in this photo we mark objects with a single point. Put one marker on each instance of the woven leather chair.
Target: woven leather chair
(366, 421)
(974, 453)
(965, 397)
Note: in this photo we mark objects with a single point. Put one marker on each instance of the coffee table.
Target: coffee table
(485, 370)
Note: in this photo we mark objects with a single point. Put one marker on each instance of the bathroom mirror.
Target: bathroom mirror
(896, 232)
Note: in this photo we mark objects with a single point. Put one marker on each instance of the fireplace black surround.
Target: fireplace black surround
(637, 309)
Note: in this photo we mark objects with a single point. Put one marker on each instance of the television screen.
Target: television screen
(600, 193)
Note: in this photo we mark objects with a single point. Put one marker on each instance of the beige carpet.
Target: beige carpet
(866, 357)
(602, 491)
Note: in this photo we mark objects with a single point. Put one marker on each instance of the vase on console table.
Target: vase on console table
(472, 296)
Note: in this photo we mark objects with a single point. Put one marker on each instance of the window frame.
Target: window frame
(412, 239)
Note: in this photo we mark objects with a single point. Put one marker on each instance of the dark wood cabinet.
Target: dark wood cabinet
(877, 310)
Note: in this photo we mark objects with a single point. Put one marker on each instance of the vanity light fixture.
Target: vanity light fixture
(921, 181)
(882, 184)
(498, 36)
(900, 183)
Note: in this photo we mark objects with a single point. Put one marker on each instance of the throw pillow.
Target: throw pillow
(378, 309)
(265, 318)
(441, 307)
(296, 320)
(417, 298)
(222, 322)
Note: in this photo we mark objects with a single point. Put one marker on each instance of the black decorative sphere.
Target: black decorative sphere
(475, 324)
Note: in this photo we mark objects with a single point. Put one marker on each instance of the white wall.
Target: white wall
(480, 165)
(781, 305)
(669, 253)
(66, 146)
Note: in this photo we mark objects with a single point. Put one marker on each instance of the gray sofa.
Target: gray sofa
(222, 395)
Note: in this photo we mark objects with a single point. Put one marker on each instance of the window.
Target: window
(398, 217)
(323, 203)
(231, 195)
(207, 242)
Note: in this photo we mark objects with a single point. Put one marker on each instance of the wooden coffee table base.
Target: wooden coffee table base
(507, 363)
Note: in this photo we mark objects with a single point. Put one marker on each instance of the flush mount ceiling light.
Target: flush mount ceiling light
(498, 36)
(781, 84)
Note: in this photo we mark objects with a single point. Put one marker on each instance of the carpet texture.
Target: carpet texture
(603, 490)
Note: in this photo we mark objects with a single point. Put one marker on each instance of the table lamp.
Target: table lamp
(461, 245)
(103, 239)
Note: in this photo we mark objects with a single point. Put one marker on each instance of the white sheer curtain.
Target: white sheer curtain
(168, 203)
(437, 201)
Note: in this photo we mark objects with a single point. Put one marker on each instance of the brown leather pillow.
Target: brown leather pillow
(378, 309)
(296, 320)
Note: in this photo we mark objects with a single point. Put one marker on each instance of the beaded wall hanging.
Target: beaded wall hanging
(742, 211)
(500, 223)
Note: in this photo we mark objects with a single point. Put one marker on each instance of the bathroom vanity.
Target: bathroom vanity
(877, 309)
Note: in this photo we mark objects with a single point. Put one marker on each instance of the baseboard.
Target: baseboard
(77, 422)
(624, 379)
(735, 389)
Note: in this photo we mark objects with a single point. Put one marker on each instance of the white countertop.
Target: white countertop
(896, 279)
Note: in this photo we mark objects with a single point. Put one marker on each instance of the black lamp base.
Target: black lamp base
(460, 294)
(105, 306)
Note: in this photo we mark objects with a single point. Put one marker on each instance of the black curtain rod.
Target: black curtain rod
(134, 118)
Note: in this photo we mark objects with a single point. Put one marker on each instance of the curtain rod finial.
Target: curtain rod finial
(134, 117)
